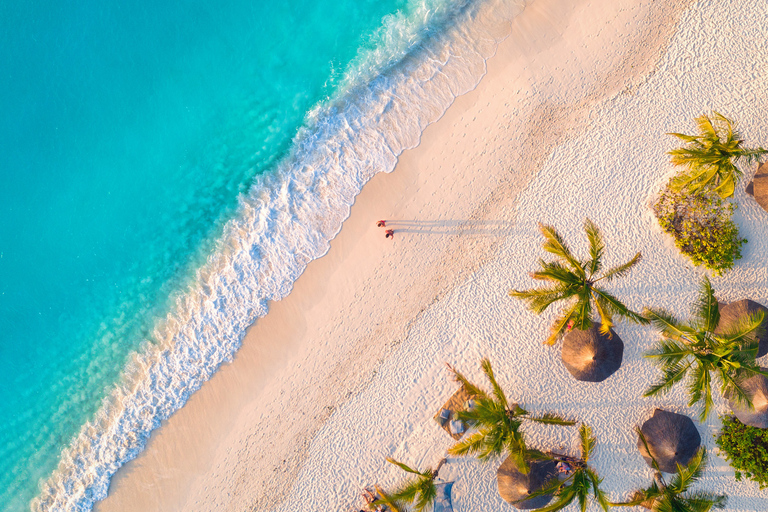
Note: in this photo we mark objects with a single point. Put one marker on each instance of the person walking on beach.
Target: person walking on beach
(389, 234)
(381, 224)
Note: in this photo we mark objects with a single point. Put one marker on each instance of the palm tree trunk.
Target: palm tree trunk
(437, 469)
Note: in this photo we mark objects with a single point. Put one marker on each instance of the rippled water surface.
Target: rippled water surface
(128, 132)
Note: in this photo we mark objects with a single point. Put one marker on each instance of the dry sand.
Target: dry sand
(568, 122)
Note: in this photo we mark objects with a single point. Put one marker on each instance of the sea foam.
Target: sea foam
(426, 56)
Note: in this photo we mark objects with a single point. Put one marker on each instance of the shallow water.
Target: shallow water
(129, 132)
(171, 170)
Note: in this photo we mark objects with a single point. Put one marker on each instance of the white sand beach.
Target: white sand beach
(568, 122)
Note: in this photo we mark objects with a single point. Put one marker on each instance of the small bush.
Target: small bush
(746, 449)
(702, 228)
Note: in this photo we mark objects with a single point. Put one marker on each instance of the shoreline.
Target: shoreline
(332, 348)
(286, 220)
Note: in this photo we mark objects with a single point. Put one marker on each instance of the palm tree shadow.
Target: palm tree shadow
(452, 227)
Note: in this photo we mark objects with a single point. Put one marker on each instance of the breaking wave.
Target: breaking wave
(426, 56)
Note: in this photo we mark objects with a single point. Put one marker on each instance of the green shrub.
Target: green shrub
(746, 449)
(702, 227)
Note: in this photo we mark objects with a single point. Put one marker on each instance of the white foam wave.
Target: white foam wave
(427, 56)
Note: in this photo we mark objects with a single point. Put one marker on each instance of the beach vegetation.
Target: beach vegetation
(701, 225)
(577, 283)
(675, 495)
(497, 423)
(419, 490)
(694, 351)
(577, 481)
(710, 157)
(746, 449)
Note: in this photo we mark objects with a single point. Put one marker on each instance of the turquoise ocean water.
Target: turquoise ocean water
(166, 169)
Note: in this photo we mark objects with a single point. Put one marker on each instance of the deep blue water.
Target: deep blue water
(128, 131)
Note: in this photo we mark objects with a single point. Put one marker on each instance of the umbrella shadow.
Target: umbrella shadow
(452, 227)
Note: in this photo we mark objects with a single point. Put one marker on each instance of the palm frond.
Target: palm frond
(751, 155)
(389, 501)
(621, 270)
(666, 323)
(604, 312)
(588, 441)
(582, 493)
(554, 244)
(667, 381)
(686, 180)
(551, 419)
(582, 315)
(700, 382)
(472, 389)
(706, 128)
(539, 299)
(407, 492)
(469, 445)
(551, 486)
(754, 370)
(690, 473)
(561, 324)
(745, 330)
(519, 455)
(596, 247)
(598, 493)
(727, 185)
(654, 462)
(732, 387)
(683, 137)
(704, 502)
(405, 467)
(554, 271)
(668, 352)
(706, 308)
(497, 391)
(562, 500)
(615, 306)
(427, 495)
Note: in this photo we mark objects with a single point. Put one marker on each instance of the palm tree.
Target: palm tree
(675, 496)
(711, 156)
(696, 351)
(497, 423)
(576, 281)
(579, 482)
(419, 490)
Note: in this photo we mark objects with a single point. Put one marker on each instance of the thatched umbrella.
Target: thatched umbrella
(730, 314)
(514, 486)
(591, 356)
(758, 187)
(672, 439)
(757, 390)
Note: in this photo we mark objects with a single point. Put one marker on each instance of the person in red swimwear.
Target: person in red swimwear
(381, 224)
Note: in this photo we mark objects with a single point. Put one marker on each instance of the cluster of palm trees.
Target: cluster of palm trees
(700, 352)
(497, 425)
(696, 351)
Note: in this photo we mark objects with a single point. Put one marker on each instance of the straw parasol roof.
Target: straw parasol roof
(757, 390)
(513, 485)
(672, 439)
(591, 356)
(455, 404)
(730, 314)
(758, 187)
